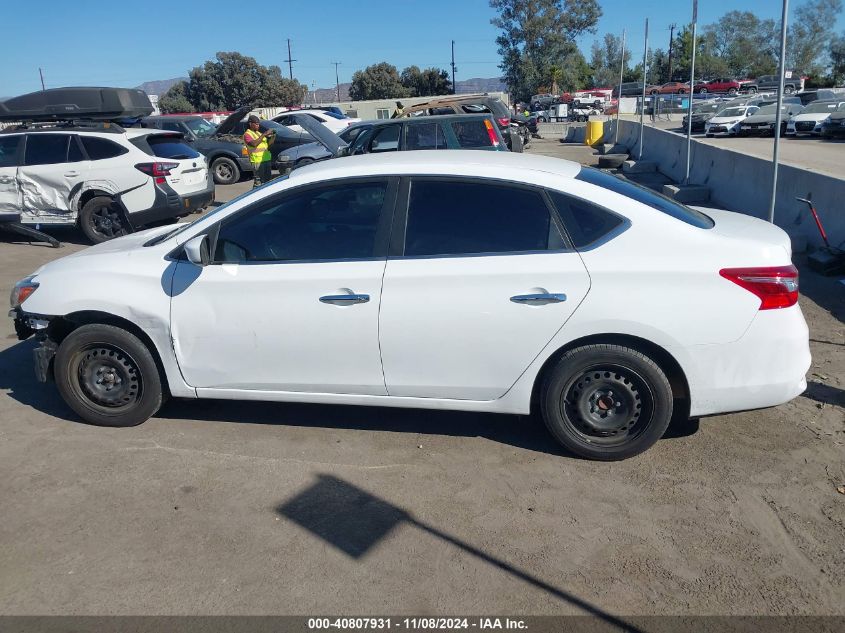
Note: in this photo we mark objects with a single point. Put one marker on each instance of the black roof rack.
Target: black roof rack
(65, 126)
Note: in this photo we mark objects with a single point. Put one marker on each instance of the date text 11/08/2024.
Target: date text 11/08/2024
(424, 623)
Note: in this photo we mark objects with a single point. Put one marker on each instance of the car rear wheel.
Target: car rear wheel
(681, 91)
(788, 90)
(752, 90)
(225, 170)
(100, 220)
(703, 91)
(606, 402)
(108, 376)
(731, 91)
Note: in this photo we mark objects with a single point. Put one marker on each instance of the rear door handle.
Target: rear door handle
(545, 297)
(345, 299)
(6, 180)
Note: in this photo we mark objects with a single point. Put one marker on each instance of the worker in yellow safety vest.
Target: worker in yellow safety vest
(258, 147)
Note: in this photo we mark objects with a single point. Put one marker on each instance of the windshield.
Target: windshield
(201, 127)
(731, 112)
(820, 106)
(183, 227)
(705, 107)
(769, 109)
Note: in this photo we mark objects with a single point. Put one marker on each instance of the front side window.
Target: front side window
(386, 139)
(424, 136)
(337, 221)
(46, 149)
(9, 150)
(450, 217)
(102, 148)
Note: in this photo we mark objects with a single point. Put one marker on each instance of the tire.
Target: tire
(108, 376)
(541, 119)
(753, 90)
(654, 92)
(682, 91)
(731, 91)
(788, 90)
(606, 402)
(101, 221)
(702, 91)
(709, 135)
(516, 143)
(225, 170)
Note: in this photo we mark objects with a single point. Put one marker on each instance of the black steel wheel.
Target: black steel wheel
(100, 220)
(606, 402)
(108, 376)
(225, 171)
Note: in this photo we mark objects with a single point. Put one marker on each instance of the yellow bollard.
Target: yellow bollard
(595, 133)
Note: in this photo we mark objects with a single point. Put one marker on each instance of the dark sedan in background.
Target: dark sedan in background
(702, 113)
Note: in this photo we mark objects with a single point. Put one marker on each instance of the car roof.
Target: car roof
(446, 162)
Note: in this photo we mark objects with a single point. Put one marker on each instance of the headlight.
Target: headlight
(22, 291)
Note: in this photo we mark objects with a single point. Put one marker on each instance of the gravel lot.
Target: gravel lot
(250, 508)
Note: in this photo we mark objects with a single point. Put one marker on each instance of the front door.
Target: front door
(484, 283)
(53, 170)
(9, 191)
(290, 301)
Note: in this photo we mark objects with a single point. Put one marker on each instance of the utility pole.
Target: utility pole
(336, 80)
(42, 78)
(691, 91)
(454, 87)
(290, 61)
(645, 81)
(782, 70)
(671, 44)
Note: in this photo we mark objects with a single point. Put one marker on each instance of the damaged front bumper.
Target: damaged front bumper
(25, 326)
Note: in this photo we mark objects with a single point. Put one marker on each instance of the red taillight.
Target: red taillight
(494, 140)
(776, 286)
(504, 121)
(157, 170)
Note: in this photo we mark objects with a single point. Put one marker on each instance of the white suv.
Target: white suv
(335, 122)
(107, 180)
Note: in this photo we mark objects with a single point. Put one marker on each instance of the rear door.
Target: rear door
(54, 169)
(10, 194)
(479, 281)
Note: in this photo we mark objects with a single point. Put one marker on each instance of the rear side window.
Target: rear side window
(102, 148)
(586, 223)
(9, 150)
(645, 196)
(46, 149)
(471, 134)
(170, 147)
(464, 218)
(424, 136)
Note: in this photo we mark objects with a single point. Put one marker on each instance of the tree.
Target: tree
(379, 81)
(606, 59)
(420, 83)
(809, 35)
(539, 34)
(746, 44)
(837, 59)
(176, 99)
(230, 81)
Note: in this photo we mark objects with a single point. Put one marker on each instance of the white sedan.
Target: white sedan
(726, 122)
(335, 122)
(477, 281)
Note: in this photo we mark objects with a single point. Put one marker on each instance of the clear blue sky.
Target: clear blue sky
(107, 43)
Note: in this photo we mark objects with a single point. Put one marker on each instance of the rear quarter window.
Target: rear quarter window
(471, 134)
(586, 224)
(102, 148)
(645, 196)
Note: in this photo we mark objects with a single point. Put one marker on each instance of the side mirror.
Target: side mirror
(196, 249)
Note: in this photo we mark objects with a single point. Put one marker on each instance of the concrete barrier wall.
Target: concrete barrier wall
(743, 183)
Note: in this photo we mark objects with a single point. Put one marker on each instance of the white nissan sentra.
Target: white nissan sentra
(467, 280)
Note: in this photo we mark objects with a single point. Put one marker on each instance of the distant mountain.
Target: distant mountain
(480, 85)
(160, 86)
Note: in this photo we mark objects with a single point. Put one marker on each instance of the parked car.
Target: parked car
(809, 120)
(726, 122)
(222, 145)
(834, 125)
(389, 280)
(673, 87)
(107, 180)
(763, 121)
(723, 84)
(771, 82)
(335, 122)
(701, 113)
(449, 131)
(308, 153)
(471, 104)
(629, 89)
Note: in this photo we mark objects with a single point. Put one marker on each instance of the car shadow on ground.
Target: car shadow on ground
(826, 292)
(354, 521)
(825, 394)
(522, 431)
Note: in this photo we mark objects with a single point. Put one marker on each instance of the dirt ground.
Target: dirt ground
(250, 508)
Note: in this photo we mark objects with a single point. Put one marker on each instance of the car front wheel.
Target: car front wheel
(606, 402)
(108, 376)
(225, 170)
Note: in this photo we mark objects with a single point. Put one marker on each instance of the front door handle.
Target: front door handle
(71, 174)
(345, 299)
(7, 180)
(544, 297)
